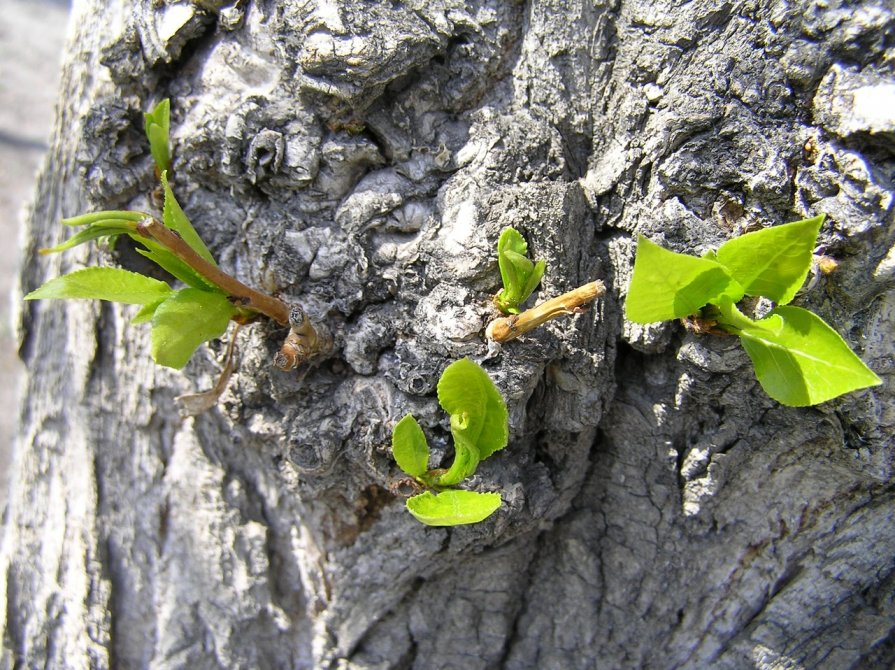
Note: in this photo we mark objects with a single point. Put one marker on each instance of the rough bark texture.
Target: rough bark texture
(360, 158)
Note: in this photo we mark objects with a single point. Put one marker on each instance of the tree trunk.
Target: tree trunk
(360, 159)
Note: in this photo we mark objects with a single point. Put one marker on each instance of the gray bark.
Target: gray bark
(360, 159)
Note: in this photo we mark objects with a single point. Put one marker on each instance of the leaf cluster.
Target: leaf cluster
(519, 273)
(181, 319)
(479, 426)
(799, 359)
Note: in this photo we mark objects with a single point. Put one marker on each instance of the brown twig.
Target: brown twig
(243, 295)
(508, 328)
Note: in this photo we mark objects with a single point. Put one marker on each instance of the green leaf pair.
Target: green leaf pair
(520, 274)
(479, 426)
(799, 360)
(181, 319)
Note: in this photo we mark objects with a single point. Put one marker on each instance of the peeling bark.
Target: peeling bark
(360, 159)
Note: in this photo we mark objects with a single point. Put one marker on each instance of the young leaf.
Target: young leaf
(176, 220)
(667, 285)
(409, 447)
(103, 283)
(184, 321)
(534, 278)
(799, 360)
(172, 264)
(772, 262)
(510, 240)
(107, 215)
(453, 508)
(466, 460)
(95, 231)
(146, 312)
(157, 124)
(520, 274)
(478, 412)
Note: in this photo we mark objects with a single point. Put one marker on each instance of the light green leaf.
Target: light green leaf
(478, 412)
(103, 283)
(799, 360)
(772, 262)
(519, 273)
(409, 447)
(95, 231)
(157, 125)
(667, 285)
(184, 321)
(107, 215)
(175, 219)
(510, 240)
(534, 278)
(466, 460)
(146, 312)
(453, 508)
(172, 264)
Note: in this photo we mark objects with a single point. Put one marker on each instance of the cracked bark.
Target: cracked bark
(360, 159)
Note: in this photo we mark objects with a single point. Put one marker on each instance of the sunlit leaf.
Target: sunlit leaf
(409, 447)
(453, 508)
(668, 285)
(519, 273)
(106, 215)
(157, 125)
(799, 360)
(772, 262)
(172, 264)
(466, 392)
(95, 231)
(114, 284)
(146, 312)
(184, 321)
(176, 220)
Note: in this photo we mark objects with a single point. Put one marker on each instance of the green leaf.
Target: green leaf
(103, 283)
(466, 460)
(667, 285)
(172, 264)
(176, 220)
(409, 447)
(772, 262)
(157, 125)
(146, 312)
(478, 412)
(107, 215)
(184, 321)
(799, 360)
(510, 240)
(534, 278)
(520, 275)
(453, 508)
(95, 231)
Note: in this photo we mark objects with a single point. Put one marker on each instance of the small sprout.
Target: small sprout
(479, 425)
(799, 360)
(520, 274)
(157, 124)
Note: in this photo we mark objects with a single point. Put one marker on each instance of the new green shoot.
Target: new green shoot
(799, 360)
(520, 274)
(479, 426)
